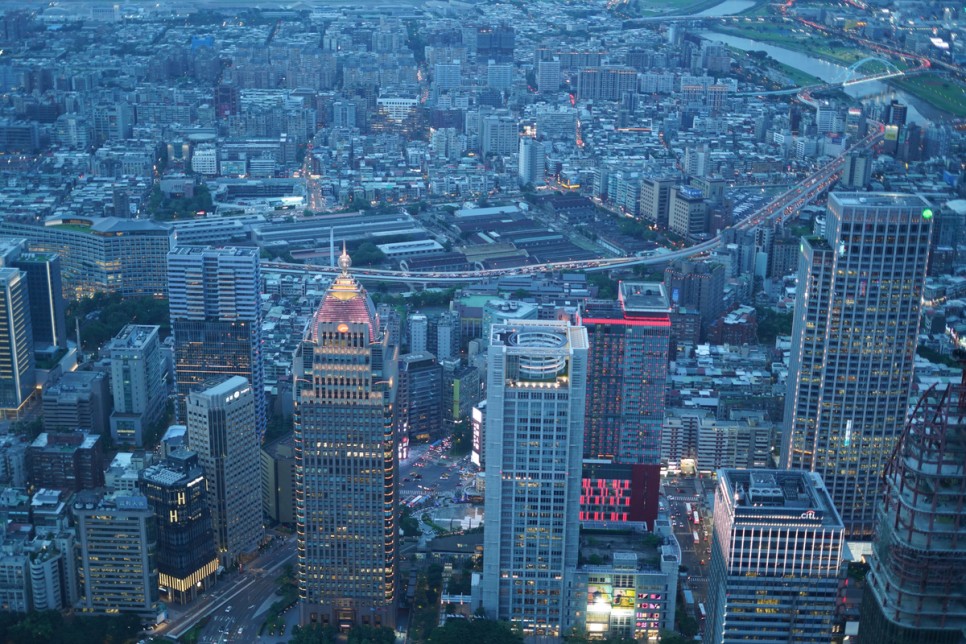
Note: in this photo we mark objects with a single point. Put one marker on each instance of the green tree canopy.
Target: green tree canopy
(475, 631)
(371, 635)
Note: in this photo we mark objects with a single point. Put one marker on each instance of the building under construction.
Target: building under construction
(915, 590)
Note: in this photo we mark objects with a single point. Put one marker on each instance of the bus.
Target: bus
(687, 509)
(697, 519)
(697, 539)
(701, 611)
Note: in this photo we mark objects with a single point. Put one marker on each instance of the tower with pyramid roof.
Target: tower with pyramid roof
(346, 462)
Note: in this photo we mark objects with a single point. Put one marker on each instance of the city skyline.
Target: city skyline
(497, 321)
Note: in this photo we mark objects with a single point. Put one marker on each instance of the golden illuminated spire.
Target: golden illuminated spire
(344, 261)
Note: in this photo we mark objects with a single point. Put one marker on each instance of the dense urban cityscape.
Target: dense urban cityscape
(483, 321)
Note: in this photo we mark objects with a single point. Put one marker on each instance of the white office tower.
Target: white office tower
(854, 342)
(499, 75)
(774, 558)
(532, 162)
(548, 76)
(221, 431)
(536, 389)
(418, 333)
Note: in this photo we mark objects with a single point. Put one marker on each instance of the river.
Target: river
(728, 8)
(872, 92)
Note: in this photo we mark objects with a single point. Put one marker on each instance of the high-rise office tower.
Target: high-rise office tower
(187, 554)
(137, 377)
(419, 410)
(854, 343)
(118, 537)
(914, 591)
(447, 76)
(17, 373)
(857, 171)
(499, 76)
(47, 308)
(698, 286)
(531, 164)
(536, 387)
(775, 558)
(418, 333)
(447, 332)
(346, 462)
(221, 430)
(628, 358)
(548, 76)
(216, 320)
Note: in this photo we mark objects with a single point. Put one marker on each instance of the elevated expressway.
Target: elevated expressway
(778, 210)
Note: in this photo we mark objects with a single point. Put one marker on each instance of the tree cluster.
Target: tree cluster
(165, 208)
(51, 627)
(113, 312)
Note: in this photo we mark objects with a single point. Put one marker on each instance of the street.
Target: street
(239, 604)
(236, 602)
(695, 557)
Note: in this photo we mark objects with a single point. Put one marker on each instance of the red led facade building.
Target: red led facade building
(612, 494)
(627, 367)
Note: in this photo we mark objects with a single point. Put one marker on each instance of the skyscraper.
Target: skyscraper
(187, 555)
(419, 413)
(418, 333)
(531, 164)
(137, 377)
(775, 558)
(853, 345)
(534, 434)
(346, 462)
(216, 320)
(17, 374)
(914, 590)
(628, 356)
(47, 308)
(221, 430)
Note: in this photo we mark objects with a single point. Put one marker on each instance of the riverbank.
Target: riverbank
(795, 40)
(656, 8)
(943, 93)
(792, 77)
(930, 92)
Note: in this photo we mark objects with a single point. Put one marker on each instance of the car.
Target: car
(406, 480)
(228, 609)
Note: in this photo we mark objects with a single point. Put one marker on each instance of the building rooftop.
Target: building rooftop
(134, 336)
(893, 199)
(644, 297)
(625, 549)
(226, 386)
(778, 496)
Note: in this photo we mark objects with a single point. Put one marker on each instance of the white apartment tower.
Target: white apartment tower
(532, 162)
(536, 388)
